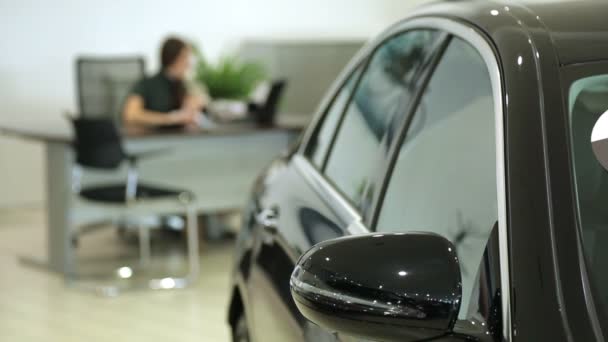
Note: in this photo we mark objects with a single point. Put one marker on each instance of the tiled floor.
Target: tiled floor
(36, 306)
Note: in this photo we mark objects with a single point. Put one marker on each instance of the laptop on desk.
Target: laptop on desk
(265, 113)
(257, 113)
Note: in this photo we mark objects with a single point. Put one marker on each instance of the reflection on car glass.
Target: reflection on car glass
(316, 227)
(444, 179)
(599, 140)
(450, 89)
(389, 82)
(371, 119)
(588, 100)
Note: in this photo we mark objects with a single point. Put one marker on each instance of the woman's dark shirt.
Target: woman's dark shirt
(160, 93)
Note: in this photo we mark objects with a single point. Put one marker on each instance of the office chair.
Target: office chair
(104, 83)
(98, 145)
(265, 113)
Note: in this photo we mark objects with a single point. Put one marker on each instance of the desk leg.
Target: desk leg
(59, 161)
(59, 198)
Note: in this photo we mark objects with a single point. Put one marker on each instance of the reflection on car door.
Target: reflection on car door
(301, 219)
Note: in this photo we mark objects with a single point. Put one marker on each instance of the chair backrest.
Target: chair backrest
(266, 113)
(97, 143)
(104, 83)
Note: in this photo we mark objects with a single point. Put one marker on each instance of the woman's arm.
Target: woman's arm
(135, 113)
(194, 103)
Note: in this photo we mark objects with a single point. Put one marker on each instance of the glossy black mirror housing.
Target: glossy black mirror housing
(388, 287)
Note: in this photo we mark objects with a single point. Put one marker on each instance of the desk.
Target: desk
(219, 165)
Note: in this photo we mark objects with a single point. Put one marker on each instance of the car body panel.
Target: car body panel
(303, 220)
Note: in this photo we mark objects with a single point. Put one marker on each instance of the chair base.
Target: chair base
(166, 283)
(128, 274)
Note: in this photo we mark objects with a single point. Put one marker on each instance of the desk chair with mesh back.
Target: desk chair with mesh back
(98, 145)
(104, 83)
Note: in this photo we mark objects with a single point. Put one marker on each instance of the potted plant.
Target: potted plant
(229, 83)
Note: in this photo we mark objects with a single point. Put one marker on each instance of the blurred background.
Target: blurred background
(41, 41)
(239, 46)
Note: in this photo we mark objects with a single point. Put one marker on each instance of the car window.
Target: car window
(444, 177)
(319, 143)
(588, 101)
(380, 100)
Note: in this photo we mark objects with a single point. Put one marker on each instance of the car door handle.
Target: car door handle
(267, 218)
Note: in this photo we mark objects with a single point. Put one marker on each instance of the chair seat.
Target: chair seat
(116, 193)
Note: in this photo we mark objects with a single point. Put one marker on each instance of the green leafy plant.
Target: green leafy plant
(230, 78)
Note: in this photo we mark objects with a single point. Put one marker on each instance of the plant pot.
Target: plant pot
(228, 109)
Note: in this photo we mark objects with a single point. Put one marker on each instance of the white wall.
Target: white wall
(40, 39)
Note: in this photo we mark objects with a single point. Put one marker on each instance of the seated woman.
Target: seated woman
(163, 100)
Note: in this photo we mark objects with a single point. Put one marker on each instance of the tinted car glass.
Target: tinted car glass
(381, 97)
(588, 100)
(444, 178)
(319, 144)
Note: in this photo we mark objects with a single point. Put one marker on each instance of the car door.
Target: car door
(292, 213)
(287, 203)
(313, 196)
(443, 179)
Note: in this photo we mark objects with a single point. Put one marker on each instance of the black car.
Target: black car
(448, 187)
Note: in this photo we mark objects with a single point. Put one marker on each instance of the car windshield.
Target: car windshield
(587, 101)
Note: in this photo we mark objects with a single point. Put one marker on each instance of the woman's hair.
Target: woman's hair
(171, 48)
(169, 52)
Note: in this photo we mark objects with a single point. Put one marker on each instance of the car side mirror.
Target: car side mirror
(388, 287)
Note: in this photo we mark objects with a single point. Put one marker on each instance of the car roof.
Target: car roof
(577, 28)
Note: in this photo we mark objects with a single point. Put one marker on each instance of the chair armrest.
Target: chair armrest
(133, 174)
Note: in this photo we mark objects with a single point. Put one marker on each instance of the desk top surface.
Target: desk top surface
(59, 130)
